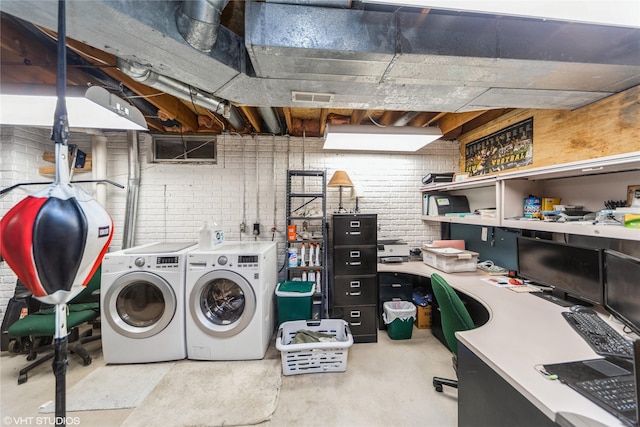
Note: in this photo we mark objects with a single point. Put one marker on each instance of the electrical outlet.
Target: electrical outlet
(256, 229)
(243, 227)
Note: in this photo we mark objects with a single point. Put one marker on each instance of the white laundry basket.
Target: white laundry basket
(315, 357)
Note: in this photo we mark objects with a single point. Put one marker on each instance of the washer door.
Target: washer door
(222, 303)
(139, 304)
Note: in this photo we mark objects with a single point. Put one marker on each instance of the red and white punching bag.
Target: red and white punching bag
(54, 241)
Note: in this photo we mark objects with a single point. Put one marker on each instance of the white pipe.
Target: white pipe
(99, 166)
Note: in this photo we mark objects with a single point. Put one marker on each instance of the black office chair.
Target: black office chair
(35, 331)
(454, 317)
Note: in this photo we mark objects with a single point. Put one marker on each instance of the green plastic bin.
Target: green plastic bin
(295, 300)
(399, 316)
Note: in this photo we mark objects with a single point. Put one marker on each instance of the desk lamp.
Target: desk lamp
(340, 179)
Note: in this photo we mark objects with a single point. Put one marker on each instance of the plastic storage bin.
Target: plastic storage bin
(294, 300)
(450, 260)
(315, 357)
(399, 316)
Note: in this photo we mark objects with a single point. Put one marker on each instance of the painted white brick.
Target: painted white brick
(174, 199)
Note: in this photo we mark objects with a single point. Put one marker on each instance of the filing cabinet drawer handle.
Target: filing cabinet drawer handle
(353, 233)
(354, 284)
(354, 263)
(354, 254)
(396, 285)
(355, 294)
(355, 313)
(354, 224)
(355, 323)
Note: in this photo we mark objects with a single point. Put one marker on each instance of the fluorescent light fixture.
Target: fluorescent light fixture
(622, 13)
(375, 138)
(87, 107)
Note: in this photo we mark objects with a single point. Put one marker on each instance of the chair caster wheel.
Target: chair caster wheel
(22, 379)
(14, 346)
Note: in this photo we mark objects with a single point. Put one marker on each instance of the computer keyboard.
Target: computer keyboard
(604, 340)
(618, 392)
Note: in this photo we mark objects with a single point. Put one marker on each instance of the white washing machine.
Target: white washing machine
(142, 303)
(231, 301)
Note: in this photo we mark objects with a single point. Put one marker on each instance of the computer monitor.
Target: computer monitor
(622, 288)
(572, 271)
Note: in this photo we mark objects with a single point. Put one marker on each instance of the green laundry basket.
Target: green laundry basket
(295, 300)
(399, 316)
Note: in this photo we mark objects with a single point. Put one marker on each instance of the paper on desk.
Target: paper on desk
(497, 281)
(523, 289)
(504, 283)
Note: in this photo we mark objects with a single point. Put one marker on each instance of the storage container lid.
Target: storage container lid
(451, 252)
(295, 288)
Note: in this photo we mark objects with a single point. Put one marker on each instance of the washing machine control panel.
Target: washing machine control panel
(222, 260)
(161, 262)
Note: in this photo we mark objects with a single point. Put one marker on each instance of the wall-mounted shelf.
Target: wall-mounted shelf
(586, 183)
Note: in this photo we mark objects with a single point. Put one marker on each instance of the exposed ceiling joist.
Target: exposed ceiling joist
(401, 66)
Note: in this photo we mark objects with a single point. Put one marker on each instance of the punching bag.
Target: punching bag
(54, 241)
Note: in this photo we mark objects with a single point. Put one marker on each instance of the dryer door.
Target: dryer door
(222, 303)
(139, 304)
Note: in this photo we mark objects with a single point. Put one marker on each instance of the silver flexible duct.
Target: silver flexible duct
(181, 90)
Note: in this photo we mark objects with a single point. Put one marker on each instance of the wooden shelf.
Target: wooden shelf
(586, 183)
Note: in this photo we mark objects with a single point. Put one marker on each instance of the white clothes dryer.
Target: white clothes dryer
(231, 301)
(142, 303)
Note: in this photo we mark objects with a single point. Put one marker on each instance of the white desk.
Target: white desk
(523, 331)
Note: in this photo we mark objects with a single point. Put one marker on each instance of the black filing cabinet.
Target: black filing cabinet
(393, 287)
(355, 273)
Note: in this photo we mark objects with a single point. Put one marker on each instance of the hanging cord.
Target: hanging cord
(273, 186)
(60, 136)
(244, 187)
(60, 132)
(255, 139)
(374, 122)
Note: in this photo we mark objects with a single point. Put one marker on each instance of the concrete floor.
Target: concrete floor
(387, 383)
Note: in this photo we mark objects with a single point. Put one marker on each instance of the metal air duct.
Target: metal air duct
(181, 90)
(270, 119)
(131, 210)
(198, 22)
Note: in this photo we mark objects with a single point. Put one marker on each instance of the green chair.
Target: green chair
(454, 317)
(37, 329)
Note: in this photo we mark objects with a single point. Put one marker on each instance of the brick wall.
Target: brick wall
(247, 185)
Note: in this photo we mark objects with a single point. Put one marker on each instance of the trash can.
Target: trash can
(294, 300)
(399, 316)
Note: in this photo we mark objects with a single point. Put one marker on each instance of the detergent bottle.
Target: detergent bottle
(205, 238)
(218, 234)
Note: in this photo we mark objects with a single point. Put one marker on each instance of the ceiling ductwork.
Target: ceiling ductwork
(181, 90)
(270, 120)
(199, 21)
(362, 58)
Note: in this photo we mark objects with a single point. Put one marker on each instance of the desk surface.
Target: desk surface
(523, 331)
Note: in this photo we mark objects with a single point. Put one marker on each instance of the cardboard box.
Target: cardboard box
(549, 202)
(423, 317)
